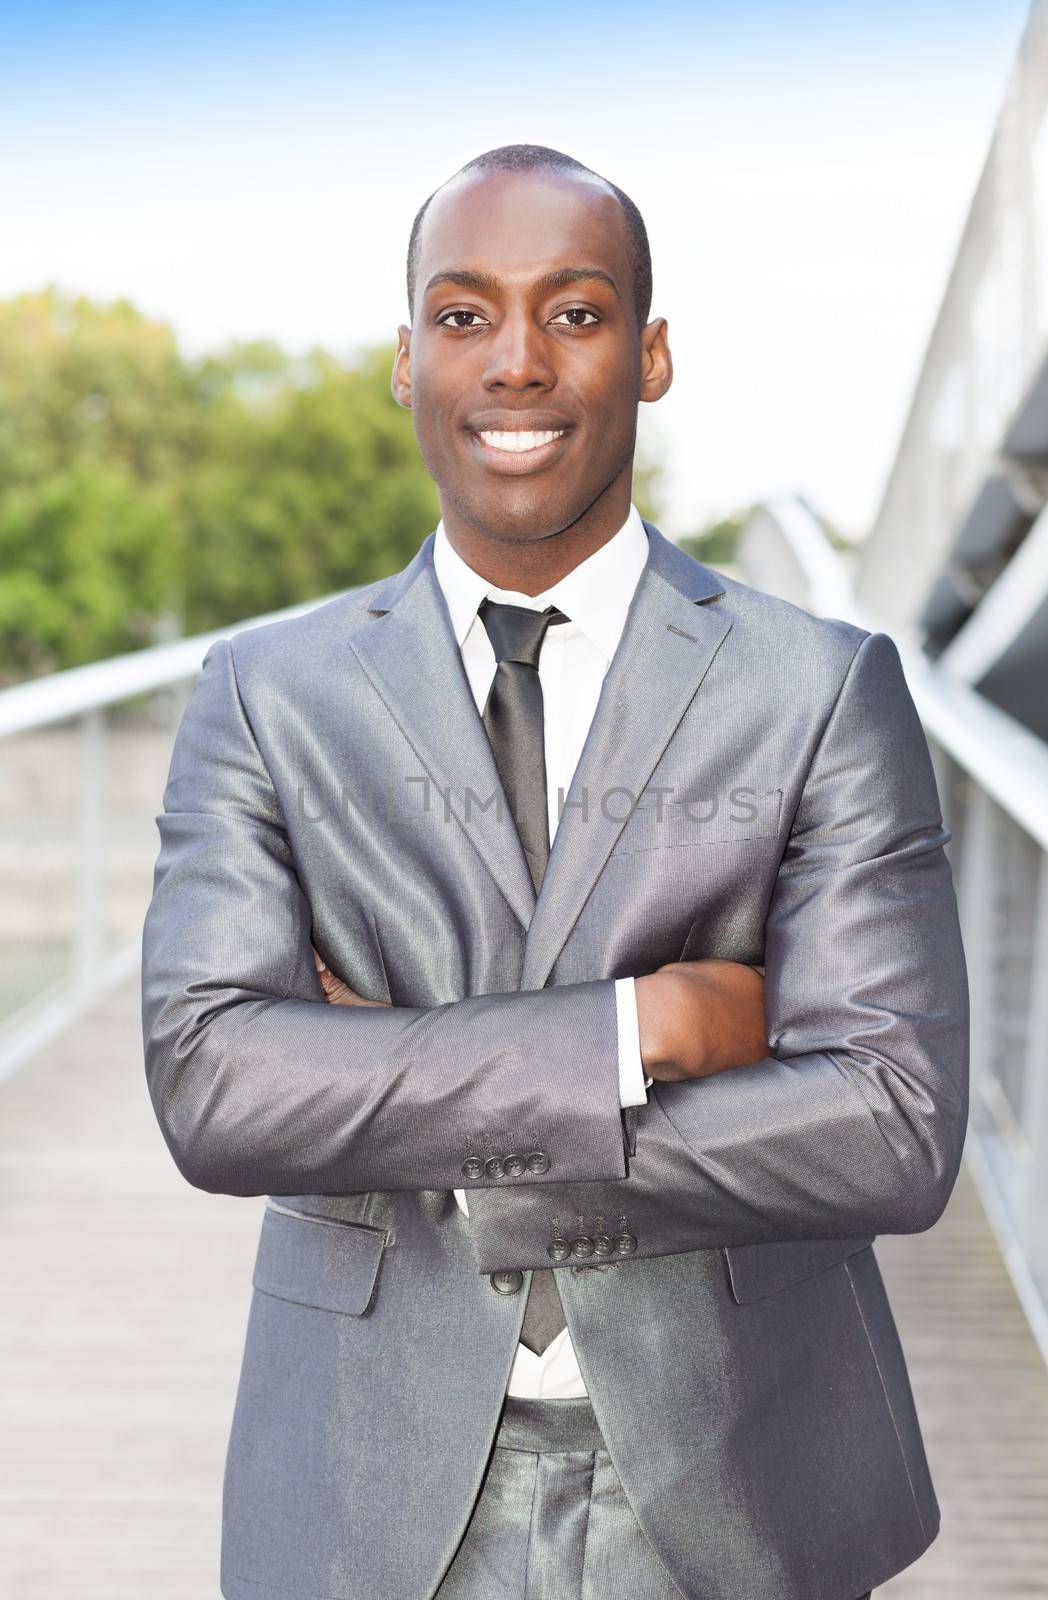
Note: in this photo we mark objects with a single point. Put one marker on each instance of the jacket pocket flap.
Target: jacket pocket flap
(759, 1269)
(318, 1261)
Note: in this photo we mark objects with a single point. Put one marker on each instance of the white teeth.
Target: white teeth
(519, 442)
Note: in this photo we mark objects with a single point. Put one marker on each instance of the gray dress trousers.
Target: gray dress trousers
(552, 1521)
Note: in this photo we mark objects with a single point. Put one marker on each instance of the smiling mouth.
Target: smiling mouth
(519, 442)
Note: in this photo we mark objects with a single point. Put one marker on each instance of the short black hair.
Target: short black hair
(539, 158)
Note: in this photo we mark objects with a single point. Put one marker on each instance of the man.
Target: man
(565, 1287)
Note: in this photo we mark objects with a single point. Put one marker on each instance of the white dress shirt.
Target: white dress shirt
(573, 659)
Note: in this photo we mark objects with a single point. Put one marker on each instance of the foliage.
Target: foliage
(94, 404)
(311, 481)
(143, 495)
(716, 545)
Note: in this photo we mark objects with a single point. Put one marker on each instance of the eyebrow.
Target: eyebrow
(558, 278)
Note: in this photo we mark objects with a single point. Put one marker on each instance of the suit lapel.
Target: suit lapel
(670, 638)
(407, 649)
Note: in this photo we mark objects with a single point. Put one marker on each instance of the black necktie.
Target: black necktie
(514, 723)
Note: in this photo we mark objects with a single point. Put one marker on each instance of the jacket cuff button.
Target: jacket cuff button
(473, 1168)
(538, 1161)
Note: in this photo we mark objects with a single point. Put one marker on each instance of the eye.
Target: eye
(575, 316)
(465, 320)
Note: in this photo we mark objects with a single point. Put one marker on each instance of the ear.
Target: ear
(656, 363)
(400, 382)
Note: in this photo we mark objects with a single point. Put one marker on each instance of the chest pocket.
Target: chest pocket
(740, 813)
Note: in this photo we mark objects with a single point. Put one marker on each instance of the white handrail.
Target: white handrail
(1006, 759)
(80, 696)
(104, 683)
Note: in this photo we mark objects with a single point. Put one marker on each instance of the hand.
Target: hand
(339, 993)
(698, 1018)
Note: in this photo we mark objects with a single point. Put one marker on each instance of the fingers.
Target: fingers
(698, 1018)
(337, 992)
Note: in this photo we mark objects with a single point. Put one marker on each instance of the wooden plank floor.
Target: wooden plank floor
(981, 1388)
(124, 1300)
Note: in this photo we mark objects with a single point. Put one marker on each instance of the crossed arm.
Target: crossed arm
(854, 1124)
(696, 1018)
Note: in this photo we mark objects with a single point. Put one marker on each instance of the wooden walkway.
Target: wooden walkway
(124, 1301)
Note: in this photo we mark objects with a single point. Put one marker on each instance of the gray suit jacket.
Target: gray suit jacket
(332, 782)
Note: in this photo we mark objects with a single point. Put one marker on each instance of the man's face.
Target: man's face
(524, 364)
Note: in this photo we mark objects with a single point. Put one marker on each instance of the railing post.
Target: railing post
(975, 901)
(1033, 1225)
(89, 902)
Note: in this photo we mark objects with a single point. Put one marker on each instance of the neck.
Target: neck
(530, 563)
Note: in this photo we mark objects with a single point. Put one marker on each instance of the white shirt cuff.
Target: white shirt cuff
(633, 1083)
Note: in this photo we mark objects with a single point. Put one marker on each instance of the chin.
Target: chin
(521, 518)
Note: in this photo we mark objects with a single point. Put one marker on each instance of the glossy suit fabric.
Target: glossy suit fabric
(331, 781)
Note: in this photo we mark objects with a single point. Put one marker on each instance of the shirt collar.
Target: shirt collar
(596, 594)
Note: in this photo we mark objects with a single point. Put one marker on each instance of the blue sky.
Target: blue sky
(804, 171)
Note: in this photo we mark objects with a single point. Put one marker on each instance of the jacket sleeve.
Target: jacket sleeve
(854, 1125)
(260, 1085)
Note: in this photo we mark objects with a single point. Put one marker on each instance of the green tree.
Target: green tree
(142, 494)
(311, 482)
(90, 559)
(95, 404)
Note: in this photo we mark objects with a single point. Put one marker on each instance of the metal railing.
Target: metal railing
(993, 783)
(83, 758)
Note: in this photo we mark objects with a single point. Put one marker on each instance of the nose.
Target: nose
(518, 356)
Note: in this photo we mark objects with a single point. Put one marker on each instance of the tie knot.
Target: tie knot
(517, 632)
